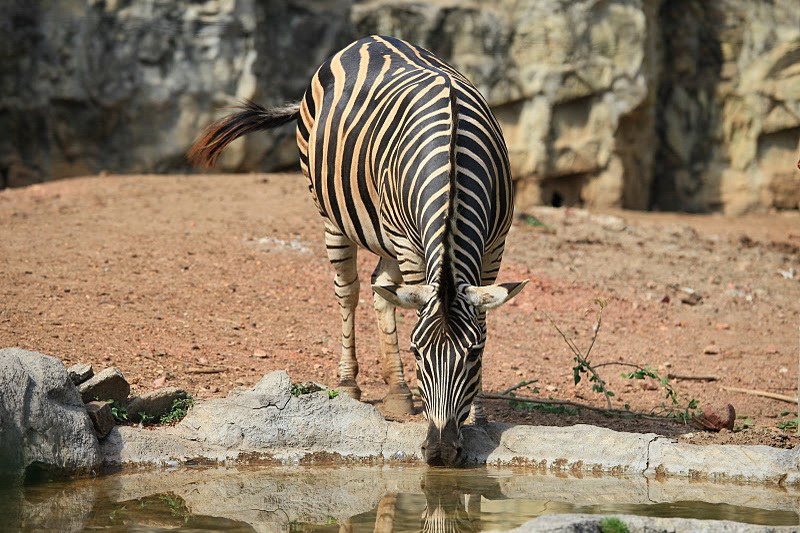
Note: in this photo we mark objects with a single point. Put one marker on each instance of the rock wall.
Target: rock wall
(126, 85)
(728, 106)
(683, 104)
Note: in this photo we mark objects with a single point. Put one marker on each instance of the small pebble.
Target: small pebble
(646, 384)
(716, 417)
(711, 349)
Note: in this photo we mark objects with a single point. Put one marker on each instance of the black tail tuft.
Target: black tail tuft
(252, 117)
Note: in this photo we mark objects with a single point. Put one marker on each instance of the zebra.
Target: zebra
(404, 159)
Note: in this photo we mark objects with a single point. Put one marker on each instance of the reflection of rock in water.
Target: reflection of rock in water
(52, 507)
(360, 499)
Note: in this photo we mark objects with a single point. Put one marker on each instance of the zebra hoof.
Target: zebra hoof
(399, 403)
(350, 388)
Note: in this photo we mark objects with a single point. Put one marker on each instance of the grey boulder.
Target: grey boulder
(44, 428)
(109, 384)
(80, 372)
(101, 417)
(155, 404)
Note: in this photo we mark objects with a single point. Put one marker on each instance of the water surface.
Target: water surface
(371, 499)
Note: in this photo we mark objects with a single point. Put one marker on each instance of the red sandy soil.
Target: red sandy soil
(168, 276)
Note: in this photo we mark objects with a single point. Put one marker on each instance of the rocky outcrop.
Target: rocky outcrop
(101, 417)
(44, 428)
(643, 104)
(127, 86)
(728, 106)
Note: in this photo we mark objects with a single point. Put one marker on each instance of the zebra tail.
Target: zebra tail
(252, 117)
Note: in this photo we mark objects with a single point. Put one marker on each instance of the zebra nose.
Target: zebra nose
(441, 453)
(442, 447)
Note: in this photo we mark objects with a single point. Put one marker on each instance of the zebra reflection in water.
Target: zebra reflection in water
(451, 504)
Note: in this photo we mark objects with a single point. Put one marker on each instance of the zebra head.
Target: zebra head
(448, 342)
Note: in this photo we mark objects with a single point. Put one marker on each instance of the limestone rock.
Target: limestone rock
(80, 372)
(102, 419)
(109, 384)
(44, 428)
(268, 422)
(267, 417)
(155, 404)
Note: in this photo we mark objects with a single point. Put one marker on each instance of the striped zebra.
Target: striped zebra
(404, 159)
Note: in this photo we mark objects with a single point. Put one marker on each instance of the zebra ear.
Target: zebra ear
(491, 296)
(407, 296)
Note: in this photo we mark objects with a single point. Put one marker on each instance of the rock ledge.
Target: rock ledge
(267, 423)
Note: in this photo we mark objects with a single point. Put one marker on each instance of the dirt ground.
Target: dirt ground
(209, 282)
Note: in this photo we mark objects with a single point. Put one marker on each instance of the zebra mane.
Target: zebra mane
(447, 282)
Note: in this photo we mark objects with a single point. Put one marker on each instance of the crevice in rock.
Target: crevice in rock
(39, 472)
(687, 107)
(647, 461)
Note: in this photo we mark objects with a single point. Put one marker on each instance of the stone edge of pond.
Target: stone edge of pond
(266, 423)
(564, 523)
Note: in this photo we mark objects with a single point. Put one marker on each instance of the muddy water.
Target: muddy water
(371, 499)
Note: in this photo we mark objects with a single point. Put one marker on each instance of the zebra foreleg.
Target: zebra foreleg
(491, 266)
(398, 399)
(342, 254)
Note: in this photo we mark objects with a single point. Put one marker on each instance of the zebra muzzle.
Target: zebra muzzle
(443, 447)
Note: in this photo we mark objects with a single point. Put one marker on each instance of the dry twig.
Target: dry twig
(519, 386)
(205, 370)
(762, 393)
(692, 378)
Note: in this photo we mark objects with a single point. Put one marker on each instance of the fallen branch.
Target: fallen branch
(765, 394)
(519, 385)
(546, 401)
(692, 378)
(205, 370)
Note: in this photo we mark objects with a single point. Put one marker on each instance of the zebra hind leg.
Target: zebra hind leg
(342, 254)
(398, 399)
